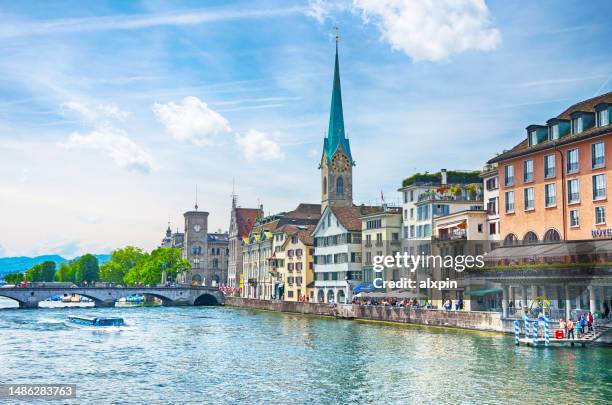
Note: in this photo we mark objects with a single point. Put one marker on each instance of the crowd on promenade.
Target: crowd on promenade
(407, 303)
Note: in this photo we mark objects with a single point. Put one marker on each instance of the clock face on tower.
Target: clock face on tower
(197, 228)
(340, 163)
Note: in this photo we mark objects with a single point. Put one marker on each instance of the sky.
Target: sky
(112, 112)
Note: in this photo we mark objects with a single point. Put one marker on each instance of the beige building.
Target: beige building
(380, 236)
(292, 263)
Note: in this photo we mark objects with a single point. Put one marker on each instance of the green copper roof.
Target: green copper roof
(335, 133)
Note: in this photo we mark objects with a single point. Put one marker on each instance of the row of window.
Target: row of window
(374, 224)
(550, 194)
(598, 161)
(337, 258)
(335, 240)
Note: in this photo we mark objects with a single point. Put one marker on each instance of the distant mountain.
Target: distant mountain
(22, 263)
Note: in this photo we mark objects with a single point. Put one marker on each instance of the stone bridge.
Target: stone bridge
(29, 297)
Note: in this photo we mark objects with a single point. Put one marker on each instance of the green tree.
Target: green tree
(87, 269)
(66, 272)
(14, 278)
(44, 271)
(121, 262)
(149, 271)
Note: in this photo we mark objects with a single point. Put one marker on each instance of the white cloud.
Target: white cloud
(191, 120)
(432, 30)
(117, 145)
(318, 9)
(259, 146)
(94, 113)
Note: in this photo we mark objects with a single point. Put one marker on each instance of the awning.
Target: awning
(555, 249)
(482, 293)
(310, 285)
(363, 287)
(448, 225)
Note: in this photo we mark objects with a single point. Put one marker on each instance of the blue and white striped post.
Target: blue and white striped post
(546, 329)
(517, 332)
(535, 333)
(526, 318)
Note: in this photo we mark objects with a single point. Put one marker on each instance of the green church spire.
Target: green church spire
(335, 134)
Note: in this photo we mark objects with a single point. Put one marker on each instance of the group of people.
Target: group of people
(392, 302)
(448, 304)
(582, 325)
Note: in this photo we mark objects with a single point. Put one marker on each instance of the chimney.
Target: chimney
(443, 175)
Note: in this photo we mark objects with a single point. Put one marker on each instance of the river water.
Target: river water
(226, 355)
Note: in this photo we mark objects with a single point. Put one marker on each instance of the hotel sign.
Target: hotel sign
(601, 233)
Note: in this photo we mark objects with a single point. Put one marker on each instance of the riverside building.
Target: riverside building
(554, 214)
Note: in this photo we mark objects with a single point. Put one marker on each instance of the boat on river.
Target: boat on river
(89, 320)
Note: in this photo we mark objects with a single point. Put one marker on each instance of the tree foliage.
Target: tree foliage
(44, 271)
(150, 269)
(121, 262)
(14, 278)
(87, 269)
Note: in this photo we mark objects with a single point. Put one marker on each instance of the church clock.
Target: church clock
(340, 163)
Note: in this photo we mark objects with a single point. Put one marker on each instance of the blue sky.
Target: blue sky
(111, 112)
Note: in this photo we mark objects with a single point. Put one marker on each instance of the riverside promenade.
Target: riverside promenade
(472, 320)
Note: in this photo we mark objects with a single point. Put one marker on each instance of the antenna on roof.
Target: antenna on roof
(196, 198)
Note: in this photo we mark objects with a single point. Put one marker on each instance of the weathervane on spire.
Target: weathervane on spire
(196, 198)
(337, 35)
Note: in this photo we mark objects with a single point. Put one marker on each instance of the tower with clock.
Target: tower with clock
(195, 246)
(336, 162)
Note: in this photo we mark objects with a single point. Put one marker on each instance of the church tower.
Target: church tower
(336, 161)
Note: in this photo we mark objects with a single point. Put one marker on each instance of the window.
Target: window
(599, 187)
(574, 218)
(492, 206)
(529, 198)
(530, 237)
(340, 186)
(552, 236)
(411, 195)
(509, 175)
(289, 294)
(600, 215)
(411, 213)
(509, 201)
(572, 160)
(533, 137)
(598, 157)
(553, 132)
(491, 183)
(528, 171)
(573, 191)
(603, 118)
(492, 228)
(479, 228)
(549, 166)
(577, 125)
(550, 195)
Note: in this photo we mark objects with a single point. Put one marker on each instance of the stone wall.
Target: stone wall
(486, 321)
(281, 306)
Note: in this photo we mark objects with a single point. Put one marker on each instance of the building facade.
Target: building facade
(380, 236)
(293, 263)
(242, 221)
(554, 184)
(490, 178)
(337, 263)
(260, 279)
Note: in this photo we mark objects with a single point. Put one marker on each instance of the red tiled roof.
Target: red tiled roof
(587, 105)
(245, 219)
(349, 217)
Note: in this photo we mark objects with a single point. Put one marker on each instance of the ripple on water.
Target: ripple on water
(224, 355)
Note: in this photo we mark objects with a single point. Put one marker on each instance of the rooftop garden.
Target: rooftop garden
(452, 177)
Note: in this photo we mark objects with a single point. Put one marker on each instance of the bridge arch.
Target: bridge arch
(206, 299)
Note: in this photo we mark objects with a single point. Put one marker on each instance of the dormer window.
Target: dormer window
(577, 125)
(603, 117)
(533, 137)
(553, 132)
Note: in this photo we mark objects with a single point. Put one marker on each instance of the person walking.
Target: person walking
(570, 328)
(590, 321)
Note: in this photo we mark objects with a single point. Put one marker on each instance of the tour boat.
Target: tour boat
(89, 320)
